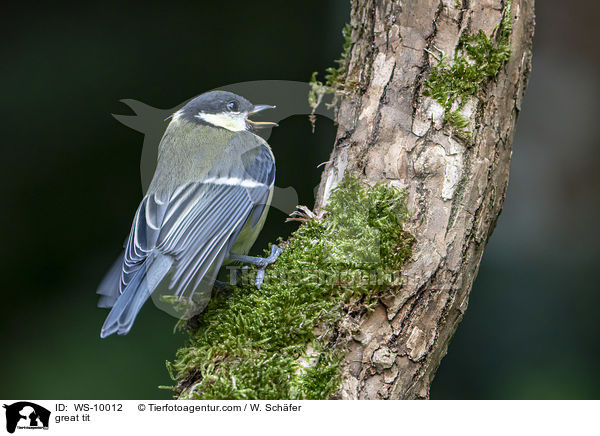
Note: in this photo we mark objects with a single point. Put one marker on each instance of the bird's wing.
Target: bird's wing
(223, 202)
(197, 224)
(259, 166)
(197, 229)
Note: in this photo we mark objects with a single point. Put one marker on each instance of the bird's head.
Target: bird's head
(223, 109)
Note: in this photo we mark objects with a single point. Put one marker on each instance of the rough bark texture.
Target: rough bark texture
(389, 132)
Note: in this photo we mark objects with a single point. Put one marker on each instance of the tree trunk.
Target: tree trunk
(456, 182)
(430, 95)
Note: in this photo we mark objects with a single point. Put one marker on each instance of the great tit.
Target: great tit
(205, 207)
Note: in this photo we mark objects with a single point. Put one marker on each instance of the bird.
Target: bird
(205, 206)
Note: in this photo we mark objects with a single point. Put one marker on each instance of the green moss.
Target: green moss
(335, 77)
(477, 59)
(278, 342)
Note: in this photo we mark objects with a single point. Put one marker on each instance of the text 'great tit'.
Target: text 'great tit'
(205, 207)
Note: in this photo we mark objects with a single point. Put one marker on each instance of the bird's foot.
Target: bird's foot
(261, 263)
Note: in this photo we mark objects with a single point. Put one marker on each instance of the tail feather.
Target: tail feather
(123, 314)
(109, 288)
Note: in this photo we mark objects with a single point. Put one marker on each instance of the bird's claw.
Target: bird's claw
(260, 273)
(261, 263)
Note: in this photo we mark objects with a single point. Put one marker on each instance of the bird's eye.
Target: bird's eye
(233, 106)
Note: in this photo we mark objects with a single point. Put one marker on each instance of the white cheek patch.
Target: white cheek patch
(230, 121)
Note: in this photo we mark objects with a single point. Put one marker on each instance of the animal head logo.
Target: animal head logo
(26, 415)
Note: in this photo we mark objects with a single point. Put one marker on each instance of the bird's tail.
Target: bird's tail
(110, 285)
(125, 309)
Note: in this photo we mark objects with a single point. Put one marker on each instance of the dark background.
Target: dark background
(70, 185)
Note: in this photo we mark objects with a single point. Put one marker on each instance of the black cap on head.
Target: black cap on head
(216, 102)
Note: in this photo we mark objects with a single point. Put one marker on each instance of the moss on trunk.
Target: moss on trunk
(279, 342)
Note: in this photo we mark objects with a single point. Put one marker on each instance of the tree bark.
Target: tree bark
(388, 131)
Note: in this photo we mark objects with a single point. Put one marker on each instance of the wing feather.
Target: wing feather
(182, 238)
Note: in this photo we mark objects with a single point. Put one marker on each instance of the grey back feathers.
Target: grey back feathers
(209, 184)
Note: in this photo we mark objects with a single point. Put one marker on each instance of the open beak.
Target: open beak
(260, 124)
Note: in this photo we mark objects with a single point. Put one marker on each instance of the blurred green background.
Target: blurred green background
(70, 185)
